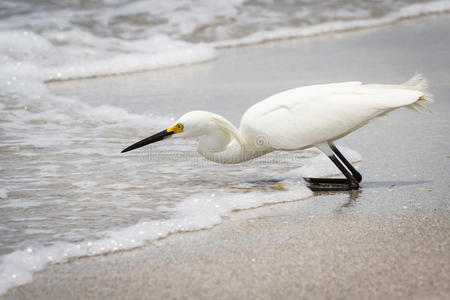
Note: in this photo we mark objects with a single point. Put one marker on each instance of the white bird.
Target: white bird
(296, 119)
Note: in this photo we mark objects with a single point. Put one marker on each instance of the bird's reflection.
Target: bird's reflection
(352, 198)
(355, 195)
(387, 184)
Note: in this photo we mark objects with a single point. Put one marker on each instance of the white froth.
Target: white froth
(78, 54)
(412, 11)
(196, 212)
(171, 34)
(3, 193)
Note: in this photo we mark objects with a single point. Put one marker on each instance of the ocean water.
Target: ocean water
(62, 192)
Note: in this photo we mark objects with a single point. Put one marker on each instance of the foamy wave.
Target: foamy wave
(34, 110)
(196, 212)
(77, 54)
(54, 54)
(200, 211)
(3, 193)
(411, 11)
(129, 63)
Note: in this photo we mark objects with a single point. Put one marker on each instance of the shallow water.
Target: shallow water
(68, 192)
(55, 40)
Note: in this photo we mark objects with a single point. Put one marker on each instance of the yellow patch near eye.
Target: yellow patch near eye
(178, 128)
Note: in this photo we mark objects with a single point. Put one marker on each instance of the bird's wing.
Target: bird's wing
(306, 116)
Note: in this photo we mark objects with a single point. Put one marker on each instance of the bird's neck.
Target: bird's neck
(224, 144)
(232, 154)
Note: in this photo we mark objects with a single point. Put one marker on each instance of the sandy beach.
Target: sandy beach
(390, 240)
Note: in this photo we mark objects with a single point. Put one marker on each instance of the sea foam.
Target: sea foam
(407, 12)
(80, 55)
(198, 211)
(172, 34)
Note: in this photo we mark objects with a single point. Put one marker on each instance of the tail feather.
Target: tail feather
(419, 83)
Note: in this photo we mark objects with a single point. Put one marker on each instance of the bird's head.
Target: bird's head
(191, 124)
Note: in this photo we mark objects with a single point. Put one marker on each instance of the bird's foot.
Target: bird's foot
(331, 184)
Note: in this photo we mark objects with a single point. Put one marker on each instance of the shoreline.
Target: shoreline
(268, 255)
(271, 40)
(388, 188)
(350, 30)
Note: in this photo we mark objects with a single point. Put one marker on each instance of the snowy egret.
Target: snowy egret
(300, 118)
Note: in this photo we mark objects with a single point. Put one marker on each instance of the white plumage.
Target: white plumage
(310, 115)
(299, 118)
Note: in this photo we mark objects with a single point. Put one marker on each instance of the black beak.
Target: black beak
(151, 139)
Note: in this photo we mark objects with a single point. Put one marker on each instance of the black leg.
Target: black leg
(335, 184)
(338, 153)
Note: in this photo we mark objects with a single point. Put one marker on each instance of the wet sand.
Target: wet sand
(279, 255)
(390, 240)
